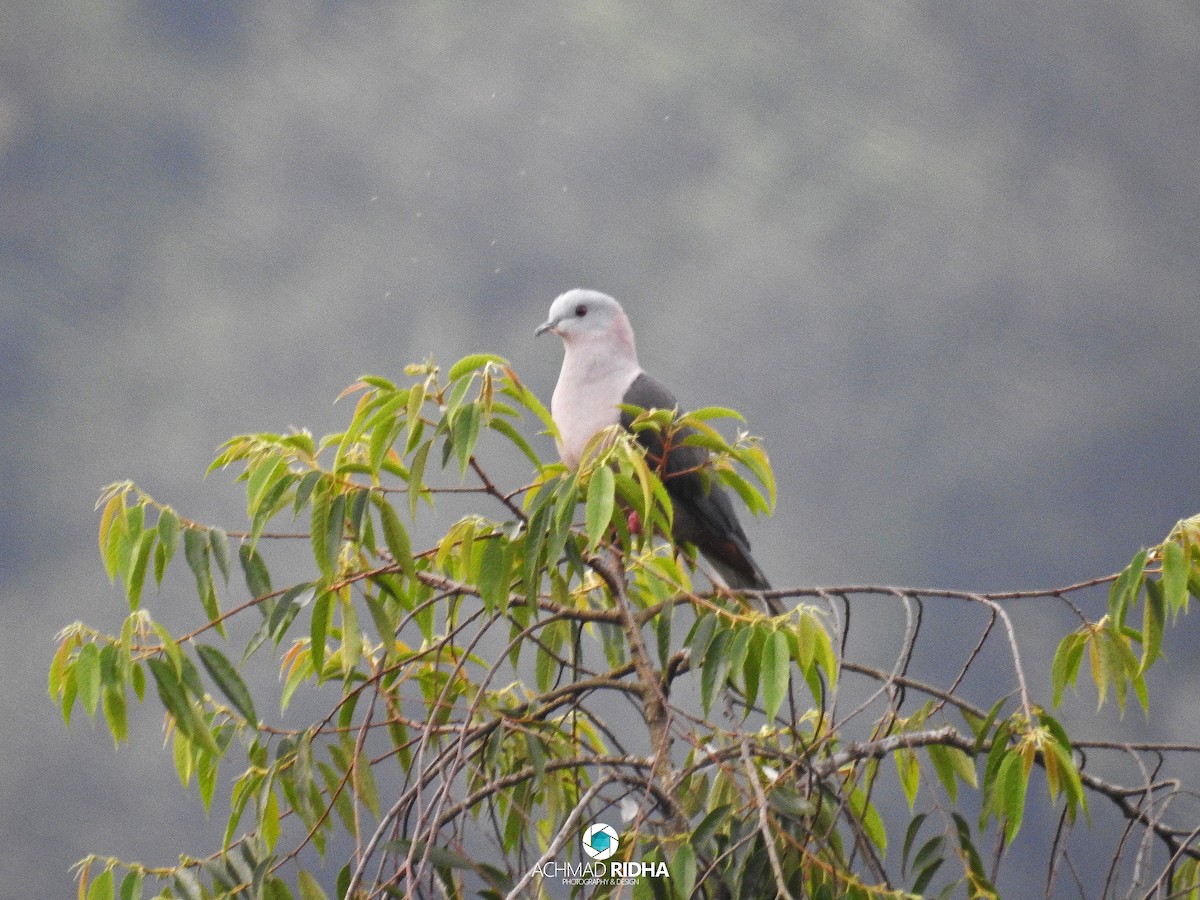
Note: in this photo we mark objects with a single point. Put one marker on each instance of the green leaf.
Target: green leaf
(752, 663)
(708, 439)
(984, 728)
(601, 499)
(909, 770)
(395, 535)
(1139, 688)
(87, 677)
(138, 559)
(229, 681)
(416, 477)
(559, 524)
(336, 530)
(451, 404)
(364, 784)
(683, 871)
(776, 672)
(1125, 588)
(803, 640)
(1111, 645)
(869, 816)
(322, 502)
(137, 677)
(108, 521)
(288, 606)
(536, 750)
(705, 413)
(1011, 784)
(416, 399)
(342, 803)
(383, 435)
(910, 835)
(755, 459)
(514, 389)
(1153, 618)
(928, 860)
(964, 766)
(188, 885)
(465, 431)
(472, 362)
(258, 579)
(701, 636)
(546, 666)
(504, 427)
(174, 697)
(739, 650)
(378, 381)
(662, 629)
(135, 520)
(263, 475)
(715, 668)
(190, 676)
(243, 790)
(823, 654)
(171, 692)
(304, 491)
(996, 755)
(219, 541)
(268, 506)
(1174, 577)
(58, 666)
(322, 615)
(930, 854)
(1185, 882)
(206, 772)
(1065, 668)
(495, 572)
(269, 820)
(70, 691)
(751, 496)
(709, 825)
(944, 769)
(168, 541)
(1068, 775)
(358, 513)
(970, 853)
(196, 551)
(113, 698)
(184, 757)
(101, 887)
(131, 886)
(116, 537)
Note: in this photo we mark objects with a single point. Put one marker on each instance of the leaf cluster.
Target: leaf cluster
(472, 731)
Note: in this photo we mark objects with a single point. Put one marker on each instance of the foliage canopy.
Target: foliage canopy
(537, 671)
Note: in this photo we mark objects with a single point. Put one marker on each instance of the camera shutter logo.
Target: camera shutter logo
(600, 842)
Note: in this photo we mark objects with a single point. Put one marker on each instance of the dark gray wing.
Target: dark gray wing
(704, 515)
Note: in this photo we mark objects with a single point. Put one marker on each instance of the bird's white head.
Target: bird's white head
(582, 317)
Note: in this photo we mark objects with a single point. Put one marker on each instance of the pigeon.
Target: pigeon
(600, 372)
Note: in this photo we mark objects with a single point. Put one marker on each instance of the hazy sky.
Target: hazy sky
(945, 262)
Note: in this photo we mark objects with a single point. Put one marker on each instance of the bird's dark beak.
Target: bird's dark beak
(548, 325)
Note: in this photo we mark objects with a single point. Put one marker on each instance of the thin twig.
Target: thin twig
(560, 837)
(764, 823)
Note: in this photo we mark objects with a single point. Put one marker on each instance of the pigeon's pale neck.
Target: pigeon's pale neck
(597, 369)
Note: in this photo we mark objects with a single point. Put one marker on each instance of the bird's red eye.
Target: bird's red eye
(581, 310)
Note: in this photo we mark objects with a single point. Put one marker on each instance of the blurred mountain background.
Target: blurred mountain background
(945, 260)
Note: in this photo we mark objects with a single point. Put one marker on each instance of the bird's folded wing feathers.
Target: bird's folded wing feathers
(704, 515)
